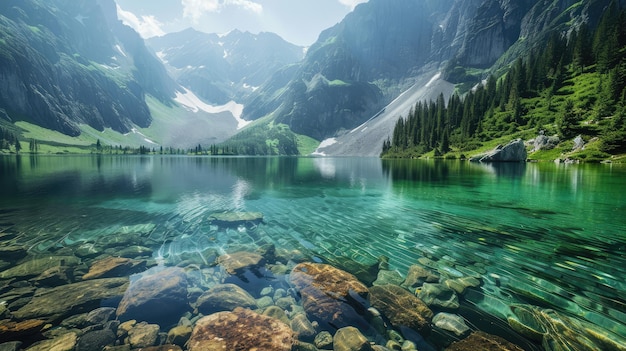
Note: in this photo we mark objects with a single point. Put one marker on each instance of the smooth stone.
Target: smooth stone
(277, 313)
(350, 339)
(264, 302)
(143, 335)
(303, 327)
(241, 261)
(124, 328)
(451, 322)
(366, 273)
(135, 251)
(329, 295)
(267, 291)
(14, 331)
(286, 303)
(304, 346)
(408, 345)
(401, 307)
(179, 335)
(460, 284)
(10, 346)
(224, 297)
(54, 276)
(160, 297)
(418, 275)
(241, 329)
(35, 267)
(66, 300)
(323, 340)
(386, 277)
(162, 348)
(114, 267)
(482, 341)
(438, 295)
(96, 340)
(234, 219)
(65, 342)
(117, 348)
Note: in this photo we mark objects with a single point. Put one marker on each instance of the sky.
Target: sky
(298, 21)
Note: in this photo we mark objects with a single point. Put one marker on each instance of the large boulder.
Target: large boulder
(240, 329)
(329, 295)
(515, 151)
(224, 297)
(66, 300)
(160, 297)
(401, 307)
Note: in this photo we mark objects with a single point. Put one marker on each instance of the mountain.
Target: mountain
(67, 63)
(221, 68)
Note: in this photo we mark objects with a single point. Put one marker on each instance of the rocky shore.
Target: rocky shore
(113, 295)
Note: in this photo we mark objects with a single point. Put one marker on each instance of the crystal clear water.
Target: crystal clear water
(550, 236)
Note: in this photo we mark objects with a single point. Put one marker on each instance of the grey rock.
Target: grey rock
(65, 342)
(451, 322)
(224, 297)
(515, 151)
(95, 340)
(579, 143)
(10, 346)
(143, 335)
(35, 267)
(439, 295)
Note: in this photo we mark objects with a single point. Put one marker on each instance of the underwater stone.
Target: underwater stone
(401, 307)
(234, 219)
(224, 297)
(418, 275)
(35, 267)
(95, 340)
(179, 335)
(386, 277)
(483, 341)
(264, 302)
(238, 262)
(65, 342)
(143, 335)
(10, 346)
(14, 331)
(66, 300)
(276, 313)
(451, 322)
(460, 284)
(114, 267)
(438, 295)
(156, 298)
(303, 327)
(366, 273)
(241, 329)
(323, 340)
(54, 276)
(329, 295)
(350, 339)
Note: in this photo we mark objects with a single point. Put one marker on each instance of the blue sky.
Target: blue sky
(297, 21)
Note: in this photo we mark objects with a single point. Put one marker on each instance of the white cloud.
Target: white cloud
(194, 9)
(351, 3)
(146, 26)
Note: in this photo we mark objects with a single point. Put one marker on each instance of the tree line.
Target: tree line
(503, 106)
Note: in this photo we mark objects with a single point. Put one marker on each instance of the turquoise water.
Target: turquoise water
(545, 236)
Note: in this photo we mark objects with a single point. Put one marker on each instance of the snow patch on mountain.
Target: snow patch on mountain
(193, 103)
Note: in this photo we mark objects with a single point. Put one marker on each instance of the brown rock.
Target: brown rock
(241, 261)
(143, 335)
(162, 348)
(241, 329)
(10, 330)
(65, 342)
(329, 295)
(224, 297)
(401, 307)
(179, 335)
(418, 275)
(485, 342)
(114, 267)
(350, 339)
(156, 298)
(66, 300)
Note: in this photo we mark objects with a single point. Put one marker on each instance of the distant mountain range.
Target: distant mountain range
(66, 65)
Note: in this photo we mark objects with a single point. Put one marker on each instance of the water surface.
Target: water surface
(548, 235)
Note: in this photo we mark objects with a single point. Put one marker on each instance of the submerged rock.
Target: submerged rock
(483, 341)
(235, 219)
(35, 267)
(240, 329)
(95, 340)
(329, 295)
(241, 261)
(401, 307)
(114, 267)
(438, 295)
(350, 339)
(65, 342)
(451, 322)
(160, 297)
(66, 300)
(15, 331)
(224, 297)
(418, 275)
(143, 335)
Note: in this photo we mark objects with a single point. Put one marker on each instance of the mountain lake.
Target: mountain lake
(534, 253)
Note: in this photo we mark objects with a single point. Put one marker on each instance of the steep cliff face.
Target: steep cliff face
(64, 62)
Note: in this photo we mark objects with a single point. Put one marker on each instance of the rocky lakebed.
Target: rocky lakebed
(114, 294)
